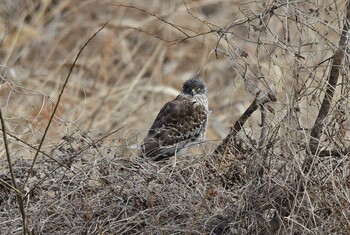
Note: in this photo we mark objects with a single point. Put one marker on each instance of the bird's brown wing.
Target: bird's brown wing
(179, 123)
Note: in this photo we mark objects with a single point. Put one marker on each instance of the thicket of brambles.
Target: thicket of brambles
(82, 81)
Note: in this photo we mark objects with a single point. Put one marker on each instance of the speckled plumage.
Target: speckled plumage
(180, 123)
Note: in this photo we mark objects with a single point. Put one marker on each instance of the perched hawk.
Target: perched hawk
(180, 123)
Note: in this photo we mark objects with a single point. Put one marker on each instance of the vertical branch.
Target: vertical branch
(316, 130)
(264, 127)
(13, 179)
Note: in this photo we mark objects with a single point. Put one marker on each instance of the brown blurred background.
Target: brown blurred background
(124, 75)
(144, 54)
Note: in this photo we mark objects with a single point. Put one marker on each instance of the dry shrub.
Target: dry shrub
(269, 179)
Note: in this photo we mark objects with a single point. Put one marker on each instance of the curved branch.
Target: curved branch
(316, 130)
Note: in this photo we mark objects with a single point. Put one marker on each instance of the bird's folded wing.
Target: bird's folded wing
(179, 122)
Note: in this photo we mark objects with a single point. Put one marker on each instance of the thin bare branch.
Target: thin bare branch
(59, 99)
(317, 129)
(13, 178)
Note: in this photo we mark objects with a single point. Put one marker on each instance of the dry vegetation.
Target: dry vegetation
(285, 169)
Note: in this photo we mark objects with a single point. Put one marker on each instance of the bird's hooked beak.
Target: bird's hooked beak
(193, 92)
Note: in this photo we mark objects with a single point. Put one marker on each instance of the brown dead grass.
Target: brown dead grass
(87, 184)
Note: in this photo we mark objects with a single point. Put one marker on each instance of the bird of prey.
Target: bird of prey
(180, 123)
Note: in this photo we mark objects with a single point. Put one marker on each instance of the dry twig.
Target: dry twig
(317, 129)
(59, 99)
(259, 100)
(18, 192)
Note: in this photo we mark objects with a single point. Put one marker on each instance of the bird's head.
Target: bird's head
(194, 87)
